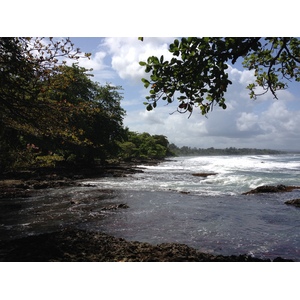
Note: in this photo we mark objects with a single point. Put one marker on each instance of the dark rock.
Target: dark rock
(73, 202)
(272, 189)
(295, 202)
(122, 205)
(14, 193)
(280, 259)
(41, 185)
(115, 206)
(77, 245)
(14, 189)
(204, 174)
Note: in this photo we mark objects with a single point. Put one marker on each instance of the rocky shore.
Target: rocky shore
(27, 182)
(77, 245)
(276, 189)
(71, 245)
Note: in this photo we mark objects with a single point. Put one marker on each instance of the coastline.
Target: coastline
(69, 245)
(77, 245)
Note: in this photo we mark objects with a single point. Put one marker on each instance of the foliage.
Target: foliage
(188, 151)
(196, 75)
(144, 146)
(92, 115)
(54, 107)
(27, 66)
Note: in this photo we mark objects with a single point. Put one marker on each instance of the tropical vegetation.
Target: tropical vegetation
(197, 77)
(52, 112)
(193, 151)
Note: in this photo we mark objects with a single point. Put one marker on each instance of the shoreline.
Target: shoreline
(71, 245)
(77, 245)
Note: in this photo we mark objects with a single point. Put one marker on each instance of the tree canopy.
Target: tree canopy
(197, 73)
(52, 112)
(49, 107)
(145, 146)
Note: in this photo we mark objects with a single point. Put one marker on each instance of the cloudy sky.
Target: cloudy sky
(261, 123)
(264, 123)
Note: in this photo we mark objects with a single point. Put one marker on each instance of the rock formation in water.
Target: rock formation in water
(295, 202)
(272, 189)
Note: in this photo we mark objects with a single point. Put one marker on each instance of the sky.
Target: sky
(246, 123)
(110, 32)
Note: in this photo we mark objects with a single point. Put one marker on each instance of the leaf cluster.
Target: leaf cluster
(196, 75)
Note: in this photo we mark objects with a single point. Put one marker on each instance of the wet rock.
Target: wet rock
(14, 189)
(41, 185)
(14, 193)
(115, 206)
(78, 245)
(204, 174)
(73, 202)
(280, 259)
(272, 189)
(295, 202)
(87, 185)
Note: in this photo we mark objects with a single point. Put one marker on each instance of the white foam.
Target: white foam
(234, 174)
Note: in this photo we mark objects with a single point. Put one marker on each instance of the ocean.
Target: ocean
(167, 203)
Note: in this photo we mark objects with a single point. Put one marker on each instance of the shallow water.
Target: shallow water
(168, 204)
(260, 226)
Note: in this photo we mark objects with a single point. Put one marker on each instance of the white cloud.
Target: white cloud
(101, 69)
(243, 77)
(126, 53)
(96, 62)
(265, 123)
(247, 121)
(261, 123)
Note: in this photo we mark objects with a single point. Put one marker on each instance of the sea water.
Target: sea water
(234, 174)
(168, 203)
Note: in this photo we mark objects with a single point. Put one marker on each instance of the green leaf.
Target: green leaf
(149, 107)
(146, 82)
(154, 77)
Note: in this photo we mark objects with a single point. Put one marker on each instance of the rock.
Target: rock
(14, 193)
(115, 206)
(122, 205)
(204, 174)
(73, 202)
(272, 189)
(295, 202)
(41, 185)
(71, 245)
(280, 259)
(14, 189)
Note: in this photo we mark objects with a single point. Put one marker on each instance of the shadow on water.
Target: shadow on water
(52, 209)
